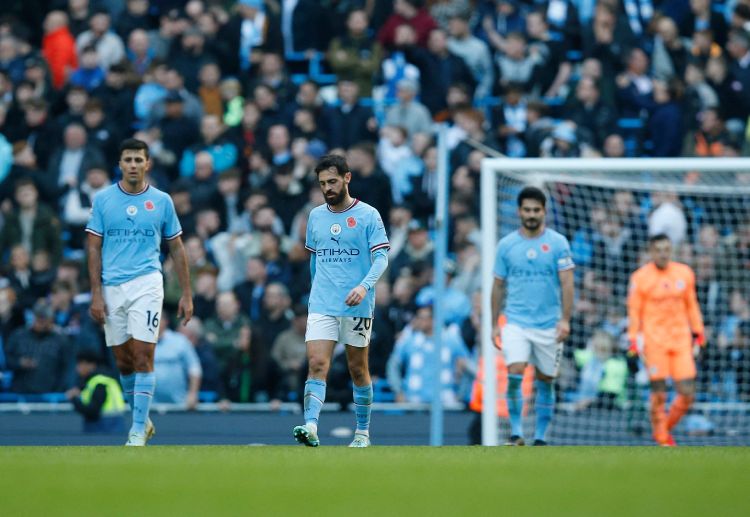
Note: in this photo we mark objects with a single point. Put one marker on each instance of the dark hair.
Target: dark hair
(657, 238)
(332, 160)
(87, 356)
(133, 144)
(534, 194)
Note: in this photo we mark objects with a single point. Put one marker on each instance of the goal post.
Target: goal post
(699, 200)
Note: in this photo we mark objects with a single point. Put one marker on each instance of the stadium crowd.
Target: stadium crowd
(237, 101)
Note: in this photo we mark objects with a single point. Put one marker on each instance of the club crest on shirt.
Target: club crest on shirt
(351, 222)
(531, 254)
(335, 229)
(149, 205)
(131, 210)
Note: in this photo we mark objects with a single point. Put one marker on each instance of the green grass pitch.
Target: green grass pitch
(207, 481)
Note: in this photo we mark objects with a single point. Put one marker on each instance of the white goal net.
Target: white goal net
(607, 209)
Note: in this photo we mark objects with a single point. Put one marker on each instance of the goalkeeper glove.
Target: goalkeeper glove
(699, 338)
(634, 362)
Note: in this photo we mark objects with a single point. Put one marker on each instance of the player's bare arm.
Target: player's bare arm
(498, 300)
(185, 305)
(567, 286)
(98, 309)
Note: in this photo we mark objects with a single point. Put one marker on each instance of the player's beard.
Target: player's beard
(336, 198)
(532, 224)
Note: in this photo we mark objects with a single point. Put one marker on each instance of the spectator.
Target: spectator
(58, 48)
(78, 202)
(667, 217)
(411, 370)
(739, 50)
(34, 225)
(189, 56)
(211, 379)
(272, 73)
(555, 69)
(711, 137)
(206, 291)
(139, 51)
(670, 54)
(473, 51)
(98, 397)
(90, 75)
(290, 351)
(276, 314)
(305, 26)
(69, 163)
(108, 44)
(418, 248)
(252, 31)
(409, 113)
(215, 142)
(411, 13)
(349, 122)
(225, 331)
(439, 68)
(370, 184)
(39, 356)
(516, 64)
(178, 368)
(355, 54)
(209, 90)
(703, 17)
(136, 17)
(590, 114)
(250, 292)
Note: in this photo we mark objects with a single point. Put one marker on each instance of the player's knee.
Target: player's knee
(318, 367)
(686, 388)
(359, 374)
(142, 363)
(124, 365)
(516, 368)
(659, 385)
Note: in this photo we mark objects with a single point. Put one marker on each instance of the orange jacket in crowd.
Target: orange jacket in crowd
(663, 306)
(59, 49)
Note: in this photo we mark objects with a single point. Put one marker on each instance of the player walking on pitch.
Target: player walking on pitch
(663, 307)
(534, 266)
(349, 246)
(128, 221)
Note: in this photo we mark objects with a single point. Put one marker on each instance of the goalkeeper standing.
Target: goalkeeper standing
(663, 308)
(535, 267)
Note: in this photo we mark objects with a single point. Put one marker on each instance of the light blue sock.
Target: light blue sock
(142, 395)
(315, 395)
(363, 406)
(128, 387)
(544, 405)
(515, 404)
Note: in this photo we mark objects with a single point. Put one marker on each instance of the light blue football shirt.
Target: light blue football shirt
(343, 243)
(530, 269)
(131, 227)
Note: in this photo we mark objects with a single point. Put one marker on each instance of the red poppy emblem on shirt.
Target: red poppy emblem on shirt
(545, 248)
(149, 205)
(351, 222)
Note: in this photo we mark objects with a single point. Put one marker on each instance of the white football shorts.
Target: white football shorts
(134, 309)
(536, 346)
(352, 331)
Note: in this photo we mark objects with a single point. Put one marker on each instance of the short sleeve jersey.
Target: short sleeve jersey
(132, 227)
(530, 269)
(343, 243)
